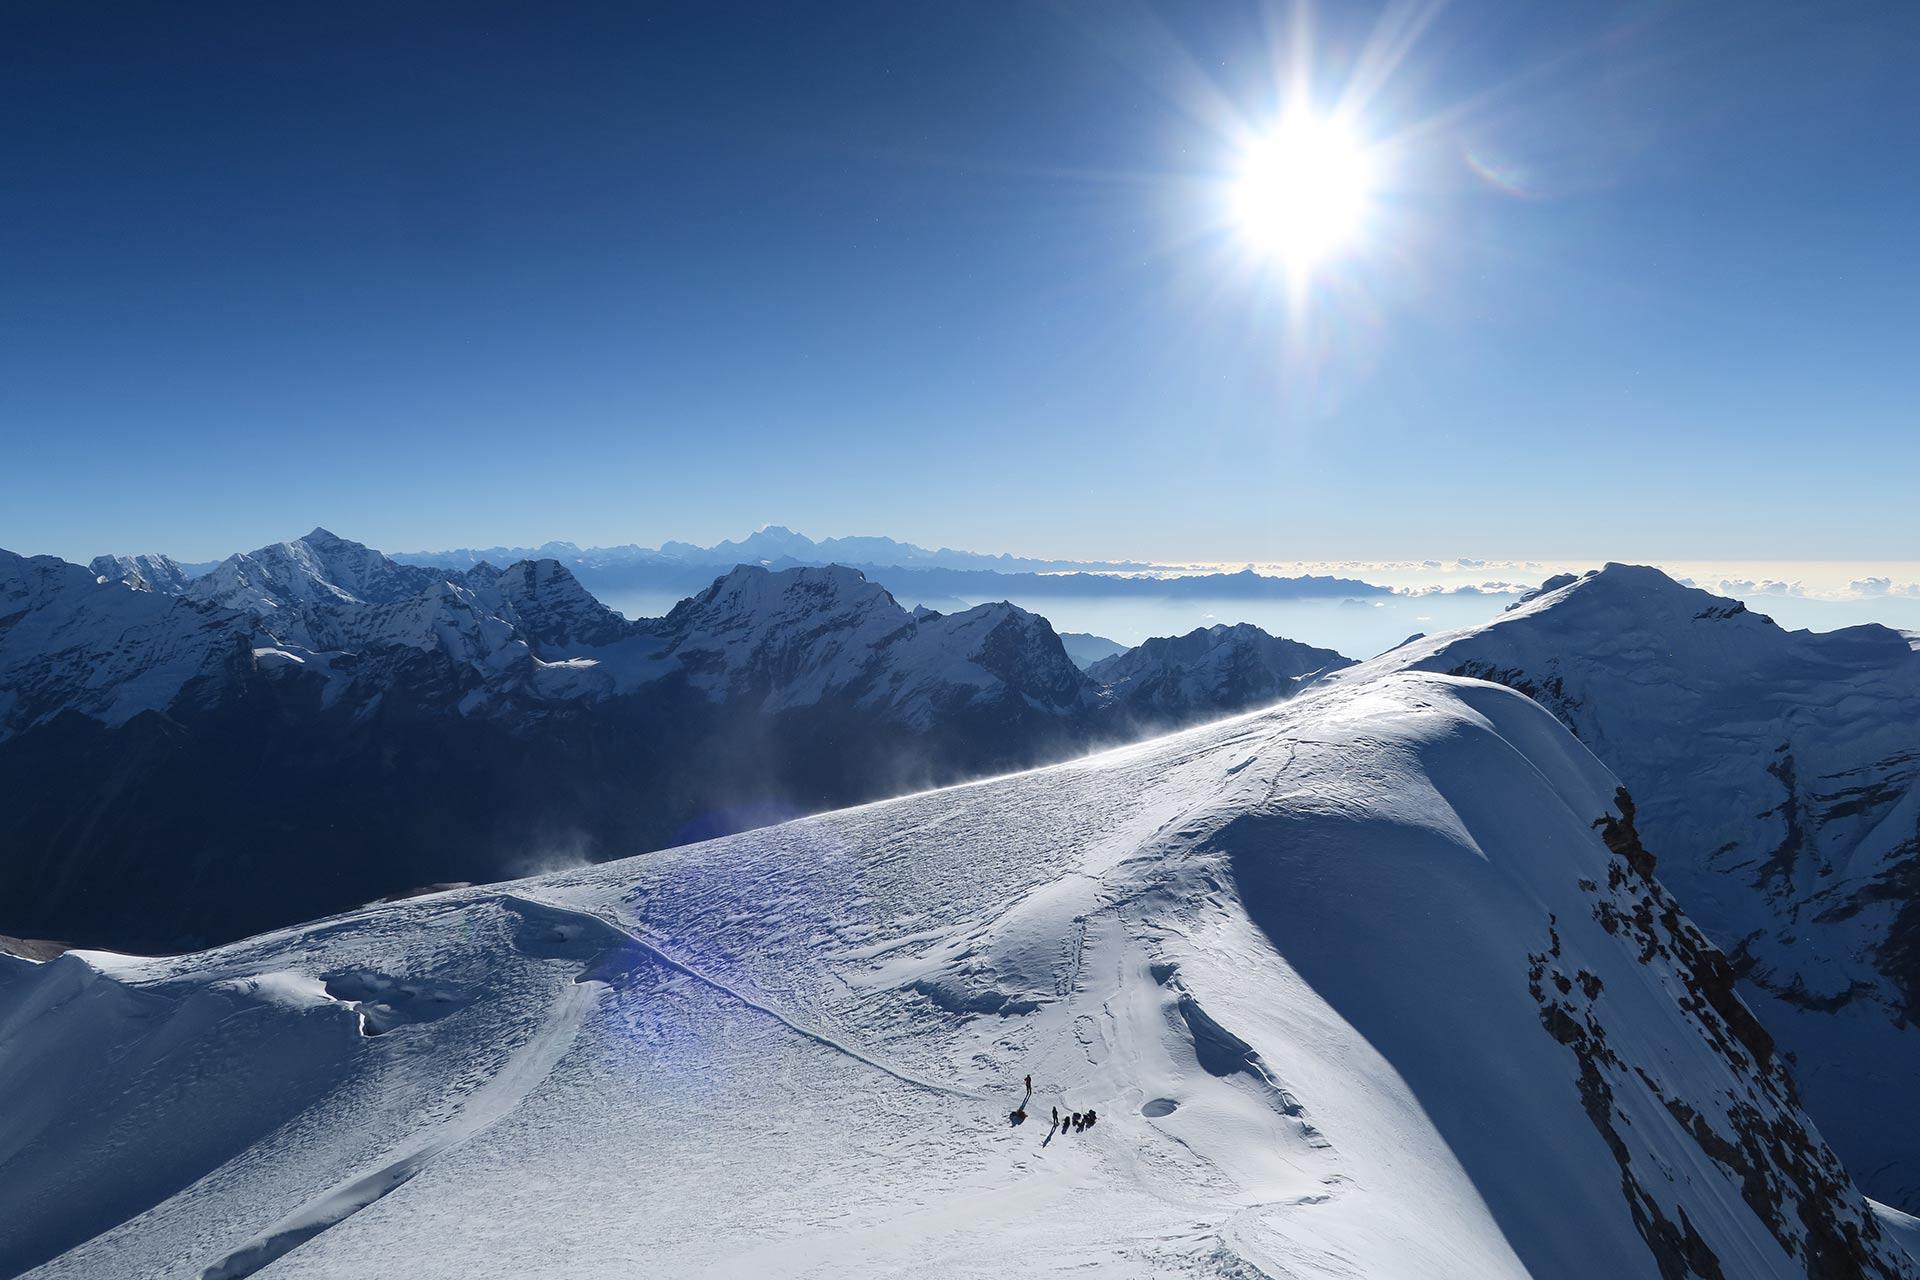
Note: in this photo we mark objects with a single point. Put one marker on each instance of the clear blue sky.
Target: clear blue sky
(469, 274)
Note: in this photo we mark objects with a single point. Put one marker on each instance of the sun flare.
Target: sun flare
(1303, 191)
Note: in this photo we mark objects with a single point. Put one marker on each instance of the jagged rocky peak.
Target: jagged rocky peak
(1212, 670)
(810, 596)
(549, 606)
(325, 592)
(1018, 649)
(789, 636)
(70, 642)
(142, 572)
(798, 636)
(353, 567)
(317, 592)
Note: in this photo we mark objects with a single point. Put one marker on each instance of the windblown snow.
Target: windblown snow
(1371, 984)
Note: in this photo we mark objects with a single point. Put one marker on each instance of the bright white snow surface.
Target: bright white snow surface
(1286, 958)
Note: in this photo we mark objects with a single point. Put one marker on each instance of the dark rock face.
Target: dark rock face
(1899, 955)
(1789, 1178)
(550, 608)
(1548, 689)
(1778, 775)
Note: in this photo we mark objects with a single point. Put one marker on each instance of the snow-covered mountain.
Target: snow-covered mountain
(143, 573)
(1376, 983)
(1775, 773)
(71, 641)
(312, 724)
(1210, 671)
(799, 636)
(777, 639)
(321, 592)
(547, 606)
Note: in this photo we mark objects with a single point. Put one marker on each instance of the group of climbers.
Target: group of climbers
(1078, 1121)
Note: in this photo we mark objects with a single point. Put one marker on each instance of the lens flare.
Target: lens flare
(1304, 190)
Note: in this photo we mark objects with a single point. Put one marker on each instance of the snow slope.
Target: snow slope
(1365, 985)
(1776, 774)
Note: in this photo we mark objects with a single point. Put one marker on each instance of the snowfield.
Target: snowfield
(1370, 984)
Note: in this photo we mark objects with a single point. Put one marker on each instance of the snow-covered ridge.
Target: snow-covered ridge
(70, 642)
(143, 573)
(321, 592)
(1371, 984)
(1776, 774)
(775, 639)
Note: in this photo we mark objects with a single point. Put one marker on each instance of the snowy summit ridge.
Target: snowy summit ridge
(1373, 983)
(1776, 775)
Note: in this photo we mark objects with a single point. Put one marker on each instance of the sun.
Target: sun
(1303, 191)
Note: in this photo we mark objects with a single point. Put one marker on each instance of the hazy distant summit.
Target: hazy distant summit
(775, 544)
(911, 572)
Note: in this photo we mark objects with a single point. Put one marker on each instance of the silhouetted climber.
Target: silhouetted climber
(1090, 1117)
(1029, 1084)
(1056, 1117)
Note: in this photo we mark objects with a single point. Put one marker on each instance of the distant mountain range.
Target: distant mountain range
(913, 573)
(774, 544)
(312, 724)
